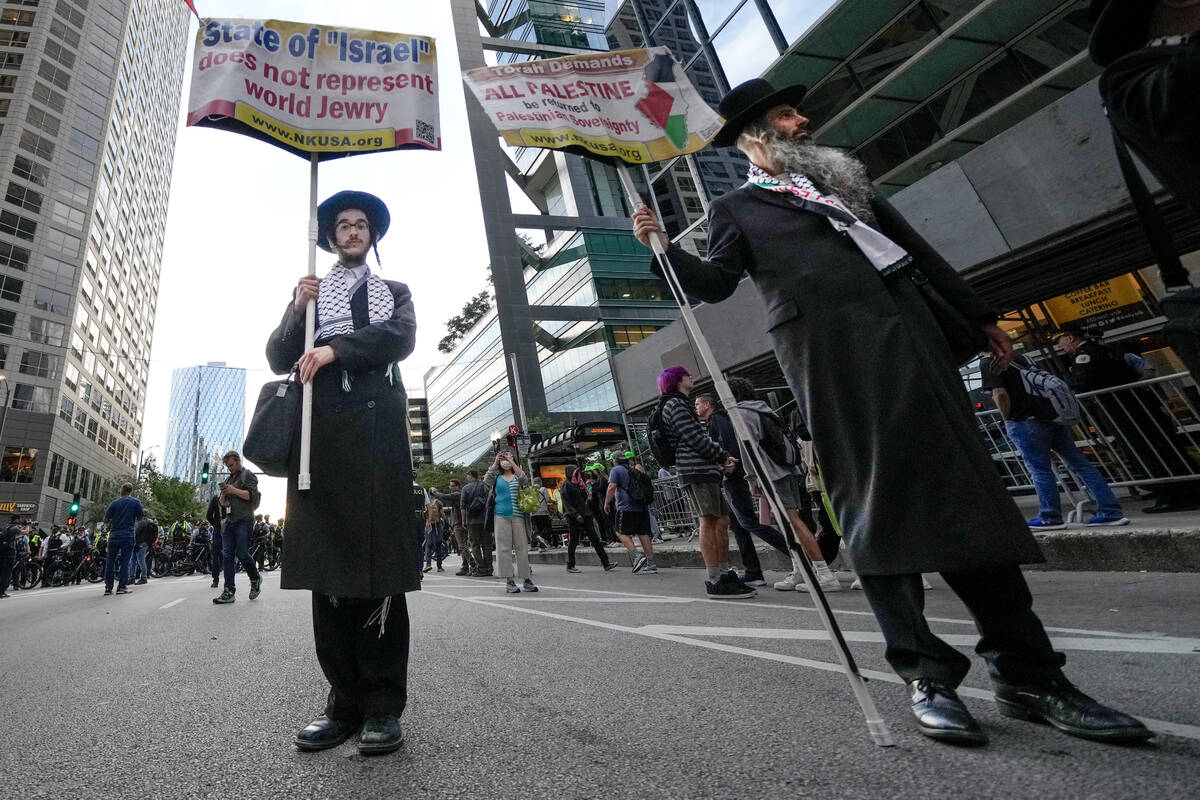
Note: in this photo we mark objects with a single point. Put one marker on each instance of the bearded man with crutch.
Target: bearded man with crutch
(840, 272)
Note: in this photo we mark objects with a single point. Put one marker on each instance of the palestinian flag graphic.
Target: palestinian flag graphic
(662, 104)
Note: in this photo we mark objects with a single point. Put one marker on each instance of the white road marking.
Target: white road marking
(1170, 645)
(1156, 725)
(172, 603)
(526, 598)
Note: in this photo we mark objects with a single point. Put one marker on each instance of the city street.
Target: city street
(601, 685)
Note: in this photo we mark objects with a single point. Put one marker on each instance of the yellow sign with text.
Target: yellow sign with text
(1094, 299)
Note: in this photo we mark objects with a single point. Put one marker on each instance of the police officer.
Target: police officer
(8, 552)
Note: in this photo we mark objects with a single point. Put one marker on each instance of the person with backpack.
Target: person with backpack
(578, 514)
(630, 492)
(505, 480)
(677, 439)
(239, 492)
(433, 535)
(1039, 409)
(474, 504)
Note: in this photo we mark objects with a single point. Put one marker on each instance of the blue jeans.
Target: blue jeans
(237, 548)
(139, 559)
(744, 521)
(216, 553)
(1036, 439)
(120, 551)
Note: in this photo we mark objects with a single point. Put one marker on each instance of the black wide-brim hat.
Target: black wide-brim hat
(747, 102)
(327, 213)
(1119, 27)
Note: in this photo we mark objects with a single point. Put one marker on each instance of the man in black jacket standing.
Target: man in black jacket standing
(474, 507)
(844, 279)
(8, 552)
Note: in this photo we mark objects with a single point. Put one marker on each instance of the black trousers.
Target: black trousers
(1012, 638)
(367, 668)
(7, 562)
(574, 530)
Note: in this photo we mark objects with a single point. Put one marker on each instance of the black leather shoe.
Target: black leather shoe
(1070, 710)
(323, 733)
(380, 734)
(941, 715)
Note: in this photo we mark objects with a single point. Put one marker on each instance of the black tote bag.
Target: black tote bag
(272, 431)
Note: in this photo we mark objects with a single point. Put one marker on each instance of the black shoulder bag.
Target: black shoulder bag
(273, 427)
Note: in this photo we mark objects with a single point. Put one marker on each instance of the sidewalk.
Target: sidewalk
(1151, 542)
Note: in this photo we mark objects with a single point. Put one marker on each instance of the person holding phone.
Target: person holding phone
(505, 480)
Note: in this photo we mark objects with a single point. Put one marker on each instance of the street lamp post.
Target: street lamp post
(4, 413)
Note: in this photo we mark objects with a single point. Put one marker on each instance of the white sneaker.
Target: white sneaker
(829, 584)
(790, 584)
(857, 585)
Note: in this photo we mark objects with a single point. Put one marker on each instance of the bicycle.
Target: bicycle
(27, 572)
(90, 567)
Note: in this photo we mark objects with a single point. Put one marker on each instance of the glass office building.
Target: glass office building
(570, 281)
(89, 104)
(206, 421)
(418, 431)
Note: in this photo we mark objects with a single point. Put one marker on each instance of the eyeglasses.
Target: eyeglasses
(361, 226)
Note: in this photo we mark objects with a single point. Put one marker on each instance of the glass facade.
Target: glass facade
(207, 418)
(89, 105)
(418, 431)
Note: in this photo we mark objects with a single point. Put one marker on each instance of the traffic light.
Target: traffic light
(204, 473)
(512, 440)
(71, 520)
(74, 509)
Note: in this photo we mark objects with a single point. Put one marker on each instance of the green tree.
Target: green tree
(544, 424)
(458, 325)
(439, 475)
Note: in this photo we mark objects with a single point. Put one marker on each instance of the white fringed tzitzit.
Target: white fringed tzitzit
(380, 616)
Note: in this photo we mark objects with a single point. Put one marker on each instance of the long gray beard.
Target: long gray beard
(831, 171)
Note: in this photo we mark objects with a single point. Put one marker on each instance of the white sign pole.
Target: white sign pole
(304, 480)
(753, 456)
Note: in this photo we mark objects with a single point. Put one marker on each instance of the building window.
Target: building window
(93, 427)
(11, 60)
(18, 465)
(43, 119)
(66, 408)
(44, 94)
(46, 331)
(13, 256)
(38, 145)
(39, 365)
(7, 320)
(81, 420)
(24, 197)
(3, 355)
(628, 335)
(10, 288)
(71, 376)
(17, 225)
(32, 398)
(14, 38)
(31, 171)
(85, 482)
(51, 300)
(59, 77)
(8, 83)
(630, 289)
(72, 476)
(54, 479)
(11, 16)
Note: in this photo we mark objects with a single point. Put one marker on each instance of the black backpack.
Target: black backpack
(661, 446)
(641, 488)
(777, 442)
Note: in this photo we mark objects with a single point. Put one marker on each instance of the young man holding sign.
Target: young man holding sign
(846, 282)
(343, 542)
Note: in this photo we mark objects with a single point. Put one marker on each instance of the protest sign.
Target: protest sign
(635, 105)
(316, 89)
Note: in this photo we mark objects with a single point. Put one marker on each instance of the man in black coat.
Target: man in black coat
(343, 542)
(874, 376)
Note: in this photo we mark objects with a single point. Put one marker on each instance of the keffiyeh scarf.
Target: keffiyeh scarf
(333, 301)
(884, 254)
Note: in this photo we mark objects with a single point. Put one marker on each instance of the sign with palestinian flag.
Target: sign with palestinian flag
(635, 105)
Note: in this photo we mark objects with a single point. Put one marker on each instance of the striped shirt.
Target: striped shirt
(698, 458)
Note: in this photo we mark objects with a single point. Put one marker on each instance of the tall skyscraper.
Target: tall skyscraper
(207, 417)
(89, 100)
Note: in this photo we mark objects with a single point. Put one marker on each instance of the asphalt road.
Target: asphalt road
(599, 686)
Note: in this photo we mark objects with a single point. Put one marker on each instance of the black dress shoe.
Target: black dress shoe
(323, 733)
(941, 715)
(1070, 710)
(380, 734)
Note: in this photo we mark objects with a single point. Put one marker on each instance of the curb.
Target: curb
(1083, 550)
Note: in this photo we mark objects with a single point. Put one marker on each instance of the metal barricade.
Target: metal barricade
(673, 508)
(1136, 434)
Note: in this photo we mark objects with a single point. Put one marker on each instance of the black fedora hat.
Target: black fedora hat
(748, 101)
(1120, 27)
(369, 204)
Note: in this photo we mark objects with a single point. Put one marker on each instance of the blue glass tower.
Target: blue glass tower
(207, 418)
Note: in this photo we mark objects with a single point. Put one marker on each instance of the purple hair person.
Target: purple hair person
(669, 378)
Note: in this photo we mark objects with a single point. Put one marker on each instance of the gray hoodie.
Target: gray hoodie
(751, 412)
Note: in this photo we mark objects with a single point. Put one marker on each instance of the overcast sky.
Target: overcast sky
(237, 224)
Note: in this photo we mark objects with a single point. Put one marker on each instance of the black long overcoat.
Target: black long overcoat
(349, 535)
(895, 435)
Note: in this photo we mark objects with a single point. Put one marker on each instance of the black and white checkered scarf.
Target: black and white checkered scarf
(333, 302)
